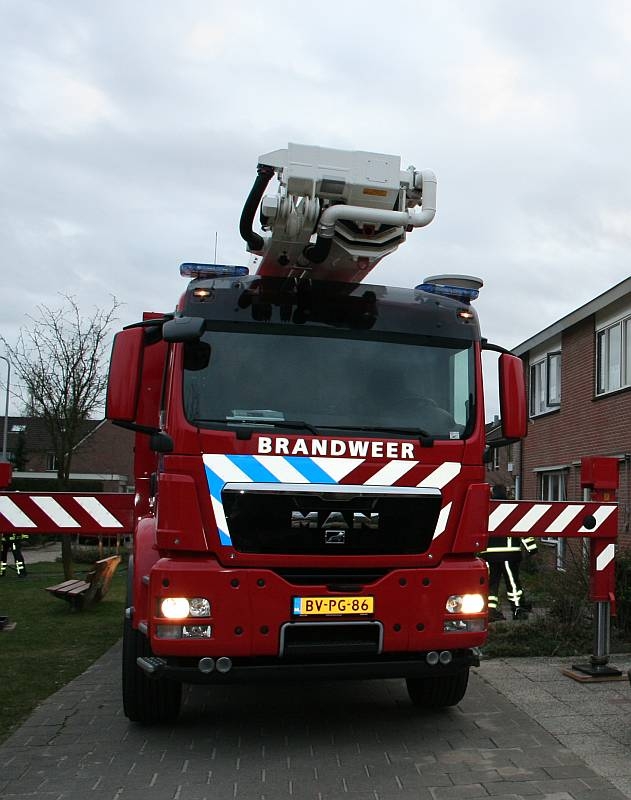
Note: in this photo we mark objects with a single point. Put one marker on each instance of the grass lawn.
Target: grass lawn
(51, 644)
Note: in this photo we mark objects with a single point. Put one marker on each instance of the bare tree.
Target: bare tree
(59, 360)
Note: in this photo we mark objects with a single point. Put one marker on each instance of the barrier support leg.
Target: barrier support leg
(598, 666)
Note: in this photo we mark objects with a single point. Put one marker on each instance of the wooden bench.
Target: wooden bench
(83, 594)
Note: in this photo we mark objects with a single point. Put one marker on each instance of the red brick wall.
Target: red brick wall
(109, 449)
(582, 426)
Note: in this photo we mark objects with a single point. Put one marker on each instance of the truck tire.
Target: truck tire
(146, 700)
(439, 691)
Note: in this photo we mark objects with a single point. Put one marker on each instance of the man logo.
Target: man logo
(334, 537)
(335, 521)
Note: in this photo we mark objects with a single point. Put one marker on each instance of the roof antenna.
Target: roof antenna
(215, 259)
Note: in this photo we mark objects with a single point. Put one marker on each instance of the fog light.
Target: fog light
(174, 607)
(197, 631)
(169, 631)
(445, 657)
(432, 658)
(464, 625)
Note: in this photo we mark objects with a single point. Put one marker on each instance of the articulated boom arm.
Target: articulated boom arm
(336, 213)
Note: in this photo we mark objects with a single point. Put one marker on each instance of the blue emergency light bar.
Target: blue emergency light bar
(459, 287)
(455, 292)
(190, 270)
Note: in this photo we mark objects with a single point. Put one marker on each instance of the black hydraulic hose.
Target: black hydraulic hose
(263, 177)
(318, 252)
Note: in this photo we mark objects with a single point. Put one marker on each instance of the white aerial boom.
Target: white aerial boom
(336, 213)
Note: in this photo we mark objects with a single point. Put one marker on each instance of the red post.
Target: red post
(6, 473)
(599, 481)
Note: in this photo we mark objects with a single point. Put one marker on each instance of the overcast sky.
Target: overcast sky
(130, 131)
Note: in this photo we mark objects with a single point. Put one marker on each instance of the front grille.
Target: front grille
(330, 520)
(317, 639)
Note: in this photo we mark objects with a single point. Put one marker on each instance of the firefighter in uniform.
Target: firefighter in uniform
(503, 556)
(12, 542)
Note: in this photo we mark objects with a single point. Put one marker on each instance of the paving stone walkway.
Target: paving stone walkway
(554, 740)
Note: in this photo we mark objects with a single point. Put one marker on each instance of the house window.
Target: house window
(613, 357)
(553, 378)
(496, 458)
(52, 462)
(545, 384)
(551, 488)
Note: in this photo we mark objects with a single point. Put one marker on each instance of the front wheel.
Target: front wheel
(438, 691)
(146, 700)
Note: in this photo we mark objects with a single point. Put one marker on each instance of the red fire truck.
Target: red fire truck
(310, 480)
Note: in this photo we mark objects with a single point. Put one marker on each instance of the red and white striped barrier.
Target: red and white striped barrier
(558, 519)
(595, 521)
(65, 512)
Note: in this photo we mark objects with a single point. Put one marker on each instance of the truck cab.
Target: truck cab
(310, 485)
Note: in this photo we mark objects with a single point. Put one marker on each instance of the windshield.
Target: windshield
(321, 383)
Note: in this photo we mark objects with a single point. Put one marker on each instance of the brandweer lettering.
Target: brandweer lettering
(281, 446)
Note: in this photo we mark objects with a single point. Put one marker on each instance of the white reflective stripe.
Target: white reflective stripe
(281, 469)
(98, 512)
(337, 468)
(15, 515)
(441, 523)
(600, 515)
(56, 512)
(515, 593)
(530, 518)
(606, 557)
(220, 516)
(499, 515)
(563, 520)
(223, 467)
(390, 474)
(442, 475)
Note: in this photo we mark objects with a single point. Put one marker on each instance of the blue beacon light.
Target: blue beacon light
(190, 270)
(459, 287)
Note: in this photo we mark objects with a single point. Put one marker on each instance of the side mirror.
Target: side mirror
(123, 385)
(183, 329)
(512, 390)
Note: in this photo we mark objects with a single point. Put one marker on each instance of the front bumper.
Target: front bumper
(252, 613)
(400, 665)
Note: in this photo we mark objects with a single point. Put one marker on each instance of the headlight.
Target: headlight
(182, 607)
(174, 607)
(198, 607)
(465, 603)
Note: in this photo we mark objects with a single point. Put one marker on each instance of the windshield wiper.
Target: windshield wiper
(420, 432)
(293, 423)
(260, 422)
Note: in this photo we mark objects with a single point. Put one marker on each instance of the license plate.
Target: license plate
(332, 606)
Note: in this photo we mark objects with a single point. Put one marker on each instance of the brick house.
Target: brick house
(500, 468)
(102, 460)
(579, 394)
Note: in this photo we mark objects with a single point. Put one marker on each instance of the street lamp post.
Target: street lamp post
(6, 410)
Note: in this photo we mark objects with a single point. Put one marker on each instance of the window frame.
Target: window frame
(541, 399)
(554, 356)
(561, 476)
(606, 382)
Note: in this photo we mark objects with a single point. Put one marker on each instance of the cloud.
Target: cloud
(130, 135)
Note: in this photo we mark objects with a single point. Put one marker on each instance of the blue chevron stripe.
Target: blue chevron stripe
(310, 470)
